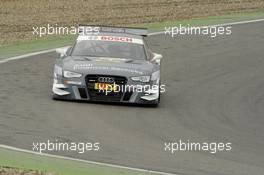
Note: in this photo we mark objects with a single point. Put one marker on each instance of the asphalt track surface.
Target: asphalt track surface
(214, 93)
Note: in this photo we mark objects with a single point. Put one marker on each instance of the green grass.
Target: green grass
(27, 161)
(35, 45)
(59, 41)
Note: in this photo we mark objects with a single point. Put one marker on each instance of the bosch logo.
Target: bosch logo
(106, 80)
(116, 38)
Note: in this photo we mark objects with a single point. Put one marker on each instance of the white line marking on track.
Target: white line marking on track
(84, 161)
(26, 55)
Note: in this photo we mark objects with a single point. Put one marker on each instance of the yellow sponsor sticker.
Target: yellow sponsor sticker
(105, 86)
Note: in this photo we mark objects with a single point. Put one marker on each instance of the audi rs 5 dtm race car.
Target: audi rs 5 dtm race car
(109, 64)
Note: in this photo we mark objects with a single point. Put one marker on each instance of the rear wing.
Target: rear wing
(86, 30)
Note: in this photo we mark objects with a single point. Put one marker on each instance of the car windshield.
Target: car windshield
(111, 49)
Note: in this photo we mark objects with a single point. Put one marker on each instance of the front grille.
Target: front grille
(94, 79)
(96, 95)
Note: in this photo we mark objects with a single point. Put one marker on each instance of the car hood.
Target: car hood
(108, 66)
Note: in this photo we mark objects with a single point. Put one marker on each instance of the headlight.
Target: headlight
(57, 70)
(143, 79)
(69, 74)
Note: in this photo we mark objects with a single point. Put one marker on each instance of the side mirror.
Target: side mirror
(157, 58)
(62, 51)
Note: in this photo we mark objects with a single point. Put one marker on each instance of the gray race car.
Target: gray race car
(108, 64)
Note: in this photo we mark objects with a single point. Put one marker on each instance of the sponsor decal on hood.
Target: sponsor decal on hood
(108, 68)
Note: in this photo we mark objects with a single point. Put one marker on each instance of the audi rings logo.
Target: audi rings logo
(106, 80)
